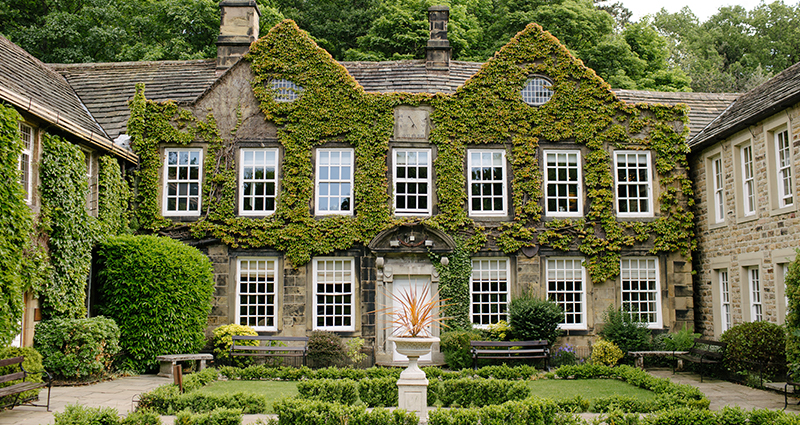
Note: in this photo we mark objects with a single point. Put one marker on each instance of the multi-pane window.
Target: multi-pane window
(258, 182)
(784, 167)
(487, 181)
(412, 181)
(562, 179)
(285, 90)
(537, 91)
(334, 280)
(182, 174)
(725, 298)
(755, 294)
(719, 199)
(334, 181)
(641, 289)
(565, 287)
(25, 159)
(634, 181)
(489, 291)
(748, 181)
(256, 293)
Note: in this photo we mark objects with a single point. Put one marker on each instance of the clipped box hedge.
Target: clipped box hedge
(292, 411)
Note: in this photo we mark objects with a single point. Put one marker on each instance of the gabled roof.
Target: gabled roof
(777, 93)
(32, 86)
(410, 76)
(703, 107)
(106, 88)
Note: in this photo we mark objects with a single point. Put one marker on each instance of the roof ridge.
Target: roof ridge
(129, 64)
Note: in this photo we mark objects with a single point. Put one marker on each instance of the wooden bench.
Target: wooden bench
(510, 350)
(167, 362)
(638, 356)
(790, 382)
(25, 385)
(283, 349)
(704, 352)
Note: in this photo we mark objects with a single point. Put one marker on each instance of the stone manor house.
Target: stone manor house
(560, 186)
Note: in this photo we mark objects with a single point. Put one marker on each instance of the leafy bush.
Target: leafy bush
(622, 328)
(75, 414)
(215, 417)
(499, 331)
(606, 353)
(325, 349)
(32, 363)
(223, 340)
(792, 281)
(563, 355)
(353, 352)
(529, 411)
(680, 341)
(77, 349)
(177, 283)
(344, 391)
(293, 411)
(506, 372)
(481, 392)
(380, 392)
(456, 349)
(535, 319)
(142, 417)
(750, 342)
(576, 404)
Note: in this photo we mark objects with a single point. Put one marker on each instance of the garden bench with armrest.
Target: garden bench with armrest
(25, 385)
(704, 352)
(284, 349)
(510, 350)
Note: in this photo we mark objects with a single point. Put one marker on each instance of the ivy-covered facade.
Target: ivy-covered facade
(316, 200)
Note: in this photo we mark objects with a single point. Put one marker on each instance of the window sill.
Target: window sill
(783, 210)
(720, 225)
(746, 218)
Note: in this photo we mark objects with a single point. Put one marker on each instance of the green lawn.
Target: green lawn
(547, 388)
(589, 389)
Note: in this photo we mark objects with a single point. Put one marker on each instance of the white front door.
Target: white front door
(401, 286)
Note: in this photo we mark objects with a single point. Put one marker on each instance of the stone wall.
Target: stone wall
(765, 240)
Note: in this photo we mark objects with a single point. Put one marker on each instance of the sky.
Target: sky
(703, 9)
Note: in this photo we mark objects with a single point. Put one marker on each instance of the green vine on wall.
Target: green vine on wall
(114, 195)
(15, 226)
(487, 109)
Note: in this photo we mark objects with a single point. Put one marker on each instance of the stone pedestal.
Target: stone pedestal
(412, 387)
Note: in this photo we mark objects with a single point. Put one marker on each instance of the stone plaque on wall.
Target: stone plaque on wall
(410, 123)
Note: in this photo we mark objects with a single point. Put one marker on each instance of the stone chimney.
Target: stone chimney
(437, 57)
(237, 29)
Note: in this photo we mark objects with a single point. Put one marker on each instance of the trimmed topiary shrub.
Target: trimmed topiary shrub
(32, 363)
(532, 318)
(344, 391)
(77, 349)
(381, 392)
(223, 339)
(762, 342)
(158, 290)
(214, 417)
(325, 349)
(622, 328)
(456, 349)
(479, 392)
(76, 414)
(293, 411)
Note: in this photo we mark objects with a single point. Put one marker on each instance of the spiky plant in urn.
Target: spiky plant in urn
(413, 316)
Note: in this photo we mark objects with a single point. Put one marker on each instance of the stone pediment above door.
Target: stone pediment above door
(412, 238)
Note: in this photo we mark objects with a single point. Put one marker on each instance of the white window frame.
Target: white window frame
(26, 158)
(566, 271)
(243, 165)
(748, 179)
(338, 181)
(717, 185)
(652, 275)
(416, 181)
(627, 199)
(493, 182)
(754, 286)
(783, 168)
(92, 189)
(167, 181)
(348, 262)
(251, 318)
(558, 183)
(725, 299)
(494, 299)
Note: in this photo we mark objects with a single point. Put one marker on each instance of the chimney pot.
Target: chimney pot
(438, 50)
(238, 28)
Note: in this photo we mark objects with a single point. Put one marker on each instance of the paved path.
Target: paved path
(120, 394)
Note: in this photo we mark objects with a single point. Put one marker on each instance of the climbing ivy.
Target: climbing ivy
(113, 198)
(454, 281)
(15, 226)
(486, 110)
(69, 227)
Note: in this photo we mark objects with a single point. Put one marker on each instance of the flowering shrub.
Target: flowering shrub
(605, 352)
(564, 355)
(223, 339)
(499, 331)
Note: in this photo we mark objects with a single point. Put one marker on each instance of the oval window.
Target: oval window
(537, 91)
(285, 90)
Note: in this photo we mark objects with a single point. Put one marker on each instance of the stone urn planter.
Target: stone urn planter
(412, 387)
